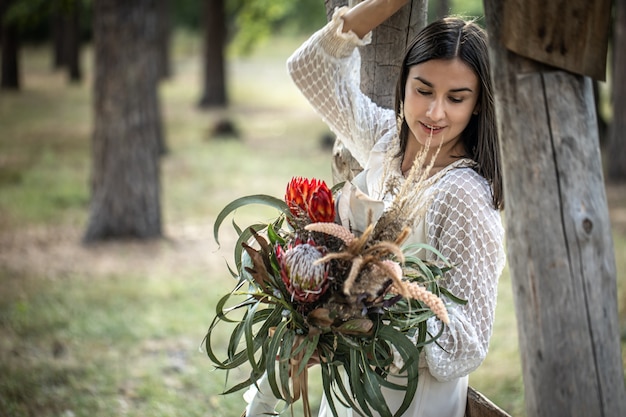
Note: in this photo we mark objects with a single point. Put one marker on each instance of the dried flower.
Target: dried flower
(340, 292)
(418, 292)
(305, 279)
(332, 229)
(310, 197)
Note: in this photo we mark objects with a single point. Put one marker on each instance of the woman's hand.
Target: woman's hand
(367, 15)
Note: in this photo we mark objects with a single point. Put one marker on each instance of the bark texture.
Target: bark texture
(616, 156)
(559, 248)
(125, 199)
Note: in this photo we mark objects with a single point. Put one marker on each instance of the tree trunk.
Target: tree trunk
(616, 155)
(559, 246)
(214, 77)
(72, 42)
(125, 198)
(58, 39)
(164, 33)
(380, 66)
(9, 43)
(65, 29)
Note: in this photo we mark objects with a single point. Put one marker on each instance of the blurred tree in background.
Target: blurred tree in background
(9, 42)
(125, 184)
(65, 33)
(65, 24)
(228, 26)
(243, 24)
(214, 61)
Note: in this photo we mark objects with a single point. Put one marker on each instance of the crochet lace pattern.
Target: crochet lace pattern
(460, 222)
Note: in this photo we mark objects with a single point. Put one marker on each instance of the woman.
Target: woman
(443, 109)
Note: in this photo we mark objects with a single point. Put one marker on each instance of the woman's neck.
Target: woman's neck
(444, 156)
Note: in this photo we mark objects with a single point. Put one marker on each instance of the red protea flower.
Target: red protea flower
(311, 197)
(305, 280)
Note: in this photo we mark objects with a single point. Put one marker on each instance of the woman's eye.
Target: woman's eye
(423, 92)
(456, 100)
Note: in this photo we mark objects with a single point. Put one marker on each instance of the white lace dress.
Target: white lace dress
(460, 221)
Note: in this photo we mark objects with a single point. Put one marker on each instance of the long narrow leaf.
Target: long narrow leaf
(410, 355)
(414, 248)
(452, 297)
(328, 376)
(271, 354)
(251, 346)
(244, 201)
(284, 362)
(245, 236)
(310, 346)
(356, 373)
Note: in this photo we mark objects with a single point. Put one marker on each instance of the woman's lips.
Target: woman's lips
(431, 129)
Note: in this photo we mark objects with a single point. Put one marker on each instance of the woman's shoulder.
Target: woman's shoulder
(463, 177)
(463, 185)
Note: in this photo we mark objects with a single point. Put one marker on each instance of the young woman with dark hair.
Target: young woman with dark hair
(442, 132)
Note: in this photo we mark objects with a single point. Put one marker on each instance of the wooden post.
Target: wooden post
(559, 244)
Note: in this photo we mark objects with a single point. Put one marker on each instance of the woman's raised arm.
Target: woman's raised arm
(367, 15)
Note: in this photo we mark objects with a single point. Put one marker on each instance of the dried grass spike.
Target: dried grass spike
(418, 292)
(404, 234)
(354, 272)
(391, 248)
(332, 229)
(394, 270)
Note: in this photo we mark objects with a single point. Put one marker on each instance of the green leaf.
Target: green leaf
(238, 387)
(310, 345)
(244, 201)
(360, 383)
(273, 235)
(335, 189)
(410, 356)
(245, 237)
(452, 297)
(413, 248)
(284, 363)
(328, 376)
(273, 349)
(422, 266)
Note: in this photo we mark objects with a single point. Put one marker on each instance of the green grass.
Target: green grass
(116, 328)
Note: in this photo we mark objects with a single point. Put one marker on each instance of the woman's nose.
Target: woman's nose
(435, 110)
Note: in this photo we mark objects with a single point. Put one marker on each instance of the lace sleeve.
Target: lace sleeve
(463, 225)
(326, 69)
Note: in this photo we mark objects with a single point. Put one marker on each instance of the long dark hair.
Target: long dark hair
(450, 38)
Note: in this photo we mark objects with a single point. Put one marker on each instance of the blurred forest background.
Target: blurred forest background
(103, 315)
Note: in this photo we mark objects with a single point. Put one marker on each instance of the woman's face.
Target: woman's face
(440, 97)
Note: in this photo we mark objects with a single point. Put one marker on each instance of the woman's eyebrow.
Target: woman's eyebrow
(454, 90)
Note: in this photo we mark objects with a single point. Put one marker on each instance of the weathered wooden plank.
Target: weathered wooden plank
(480, 406)
(559, 243)
(577, 43)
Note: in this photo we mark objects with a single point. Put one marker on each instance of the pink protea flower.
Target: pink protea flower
(311, 197)
(305, 279)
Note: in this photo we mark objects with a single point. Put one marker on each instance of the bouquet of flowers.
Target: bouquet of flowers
(348, 297)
